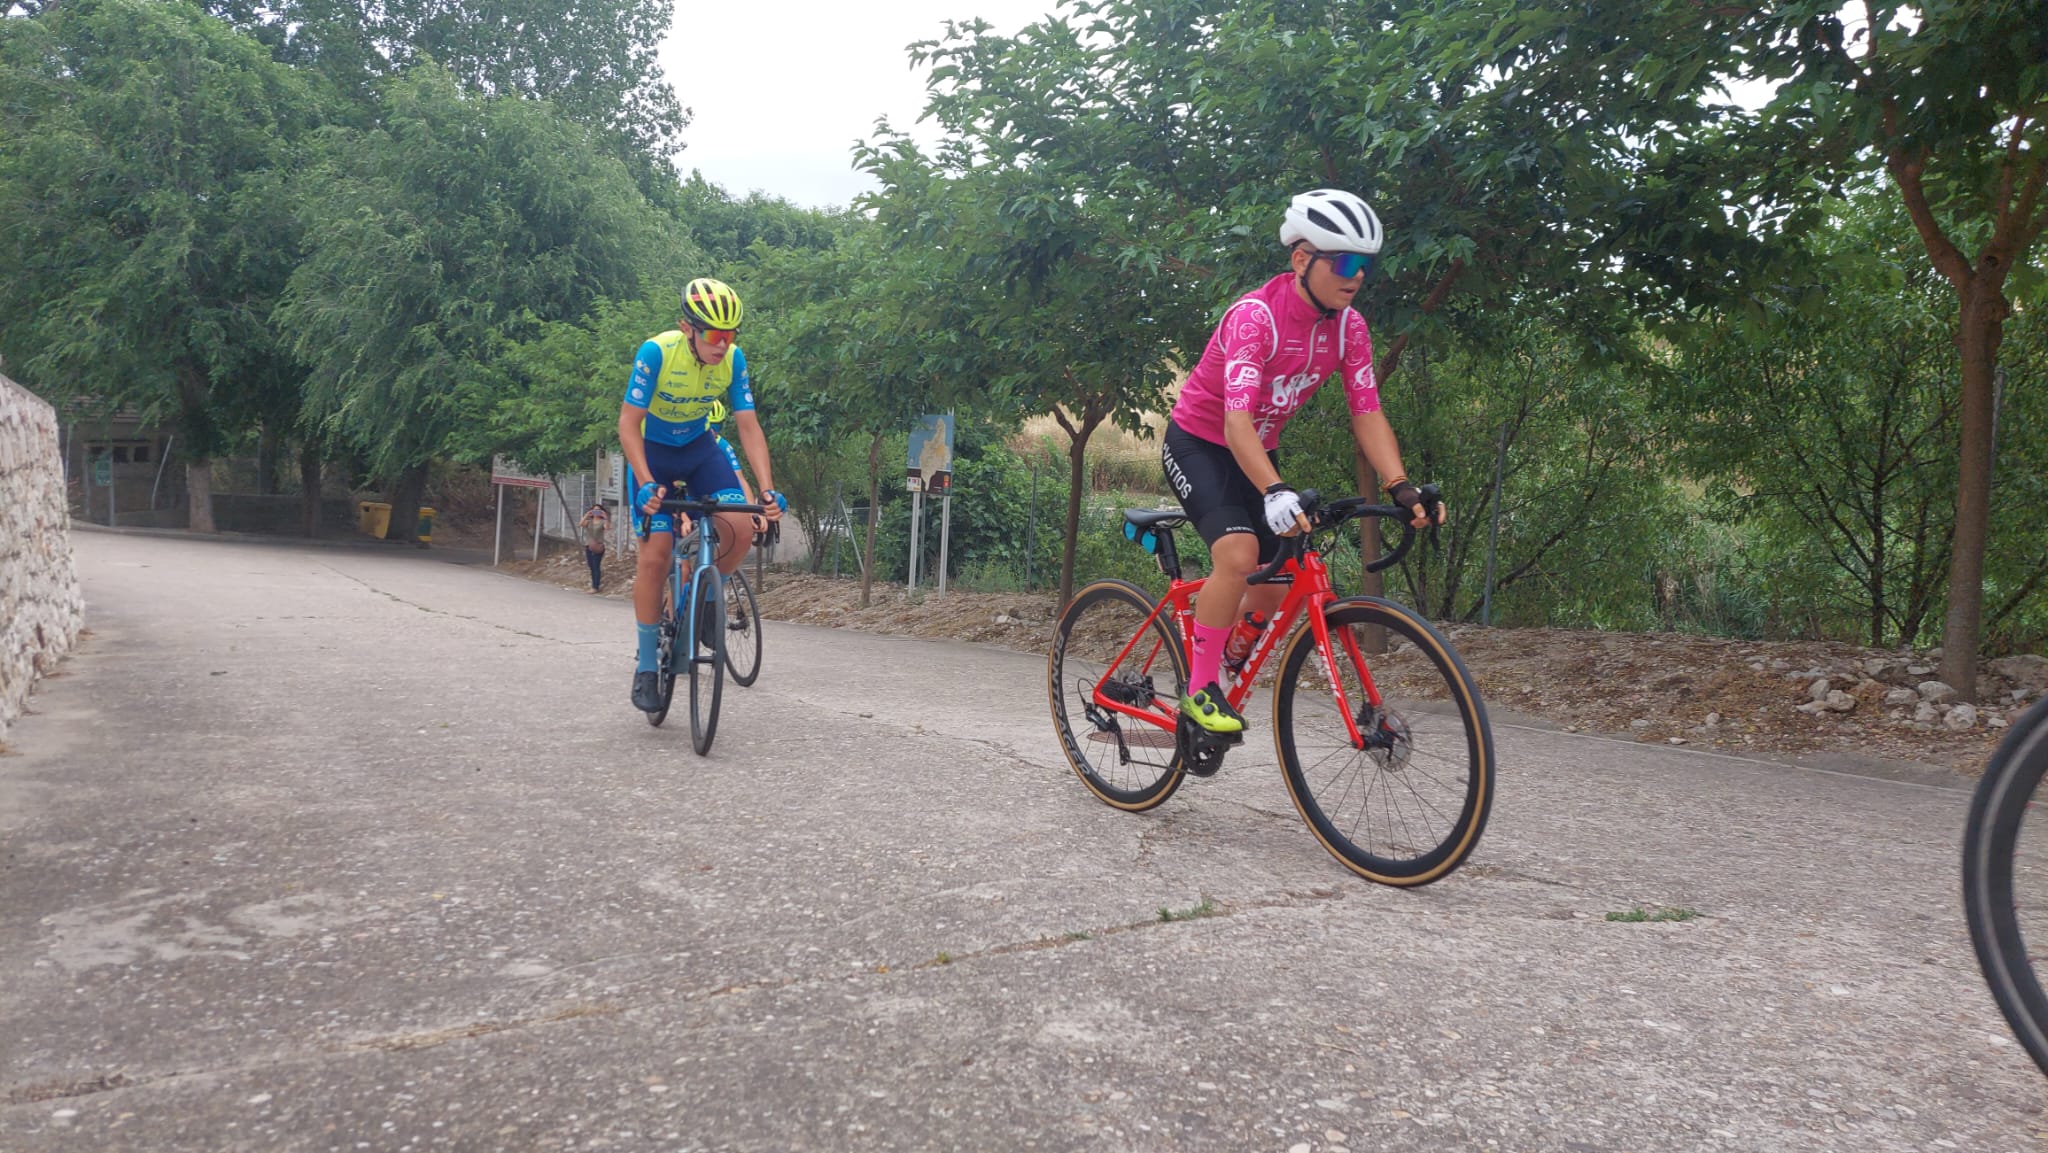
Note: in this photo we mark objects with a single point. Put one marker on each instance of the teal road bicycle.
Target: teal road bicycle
(693, 619)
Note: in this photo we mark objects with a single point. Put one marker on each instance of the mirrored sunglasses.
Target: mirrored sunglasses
(1347, 264)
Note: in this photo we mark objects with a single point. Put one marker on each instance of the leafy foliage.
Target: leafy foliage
(596, 64)
(145, 153)
(437, 238)
(1696, 363)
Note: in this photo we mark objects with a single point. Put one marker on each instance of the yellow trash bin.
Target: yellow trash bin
(373, 518)
(424, 530)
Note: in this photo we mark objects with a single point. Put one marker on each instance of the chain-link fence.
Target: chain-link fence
(1007, 525)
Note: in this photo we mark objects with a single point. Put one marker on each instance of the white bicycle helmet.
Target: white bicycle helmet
(1331, 220)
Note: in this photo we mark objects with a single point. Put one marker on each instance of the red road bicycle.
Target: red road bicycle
(1394, 775)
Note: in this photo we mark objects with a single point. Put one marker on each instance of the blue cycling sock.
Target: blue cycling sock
(650, 642)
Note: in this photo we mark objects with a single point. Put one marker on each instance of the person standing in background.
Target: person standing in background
(595, 523)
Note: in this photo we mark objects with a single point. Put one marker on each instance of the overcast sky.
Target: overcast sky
(781, 91)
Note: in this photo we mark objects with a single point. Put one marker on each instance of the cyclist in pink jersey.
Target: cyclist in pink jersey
(1274, 349)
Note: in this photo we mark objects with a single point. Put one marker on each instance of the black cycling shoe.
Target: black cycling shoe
(646, 691)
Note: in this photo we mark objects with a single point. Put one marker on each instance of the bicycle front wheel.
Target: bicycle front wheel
(707, 657)
(2005, 858)
(1405, 804)
(1125, 761)
(742, 630)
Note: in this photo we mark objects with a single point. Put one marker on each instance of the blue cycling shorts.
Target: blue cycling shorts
(700, 469)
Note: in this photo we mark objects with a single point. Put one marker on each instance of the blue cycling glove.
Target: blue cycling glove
(644, 494)
(781, 502)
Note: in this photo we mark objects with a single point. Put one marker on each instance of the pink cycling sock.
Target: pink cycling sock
(1209, 642)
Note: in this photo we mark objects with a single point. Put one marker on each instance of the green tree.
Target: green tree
(2016, 567)
(554, 400)
(862, 339)
(1563, 446)
(1130, 161)
(436, 241)
(727, 228)
(144, 160)
(1949, 101)
(597, 63)
(1835, 411)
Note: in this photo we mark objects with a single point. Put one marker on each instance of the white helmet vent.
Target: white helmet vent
(1331, 220)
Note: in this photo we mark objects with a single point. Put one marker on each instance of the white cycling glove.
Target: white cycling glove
(1282, 507)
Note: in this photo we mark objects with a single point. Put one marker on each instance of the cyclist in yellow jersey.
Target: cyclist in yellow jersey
(664, 431)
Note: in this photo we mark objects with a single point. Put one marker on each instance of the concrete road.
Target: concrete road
(328, 849)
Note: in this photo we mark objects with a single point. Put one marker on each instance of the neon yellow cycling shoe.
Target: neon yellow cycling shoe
(1209, 708)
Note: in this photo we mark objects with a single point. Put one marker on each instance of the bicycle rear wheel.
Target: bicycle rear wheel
(1409, 806)
(2005, 878)
(742, 630)
(665, 654)
(706, 655)
(1128, 763)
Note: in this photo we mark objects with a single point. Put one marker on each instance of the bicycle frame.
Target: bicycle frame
(706, 531)
(704, 522)
(1309, 591)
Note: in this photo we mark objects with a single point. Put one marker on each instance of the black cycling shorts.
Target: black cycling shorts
(1218, 497)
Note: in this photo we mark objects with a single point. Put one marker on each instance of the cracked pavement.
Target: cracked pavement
(338, 849)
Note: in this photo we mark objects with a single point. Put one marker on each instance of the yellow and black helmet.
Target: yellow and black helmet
(709, 303)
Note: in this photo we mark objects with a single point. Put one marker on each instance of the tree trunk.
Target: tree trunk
(199, 495)
(196, 424)
(268, 446)
(867, 562)
(405, 503)
(309, 489)
(1077, 453)
(1879, 611)
(1978, 333)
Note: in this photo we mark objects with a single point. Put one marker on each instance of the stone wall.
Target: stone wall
(41, 607)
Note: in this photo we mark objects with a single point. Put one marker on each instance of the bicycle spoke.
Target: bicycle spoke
(1100, 655)
(1401, 808)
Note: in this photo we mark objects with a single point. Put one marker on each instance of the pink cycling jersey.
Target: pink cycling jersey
(1268, 357)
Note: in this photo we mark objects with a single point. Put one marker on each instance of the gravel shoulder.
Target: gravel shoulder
(1753, 698)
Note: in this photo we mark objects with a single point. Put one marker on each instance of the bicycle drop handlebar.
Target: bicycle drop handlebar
(1323, 516)
(699, 507)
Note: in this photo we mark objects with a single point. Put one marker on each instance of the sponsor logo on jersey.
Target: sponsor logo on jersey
(1288, 393)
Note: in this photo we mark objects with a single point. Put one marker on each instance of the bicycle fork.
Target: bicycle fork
(1364, 725)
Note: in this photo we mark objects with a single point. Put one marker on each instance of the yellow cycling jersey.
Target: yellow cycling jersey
(679, 392)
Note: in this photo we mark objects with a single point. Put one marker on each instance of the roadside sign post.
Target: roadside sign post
(930, 470)
(916, 527)
(945, 535)
(506, 474)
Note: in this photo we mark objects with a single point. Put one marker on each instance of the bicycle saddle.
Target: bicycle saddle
(1156, 517)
